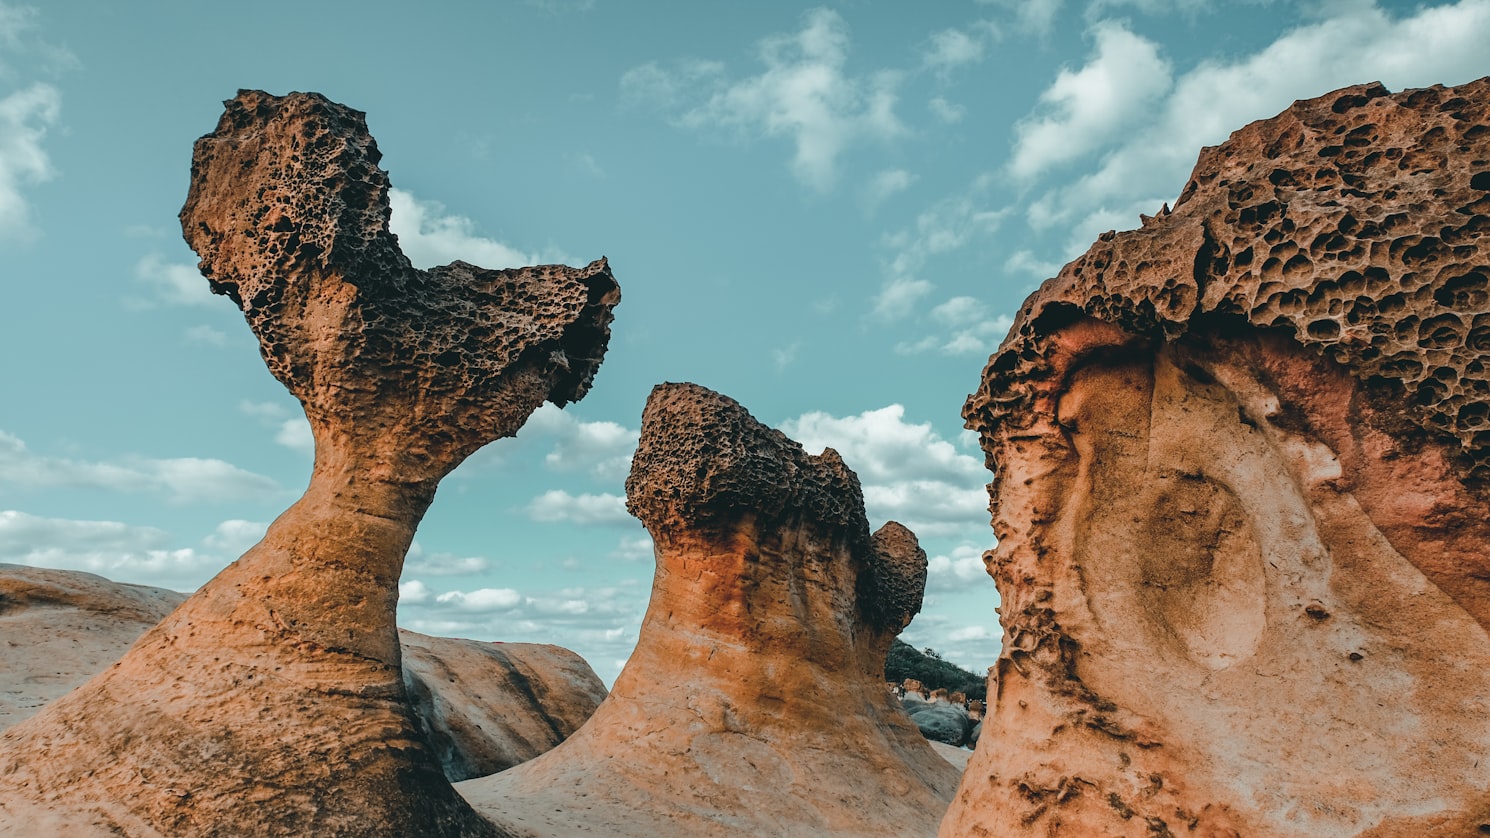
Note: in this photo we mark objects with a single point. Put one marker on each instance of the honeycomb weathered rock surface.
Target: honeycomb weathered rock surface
(1241, 473)
(272, 701)
(754, 703)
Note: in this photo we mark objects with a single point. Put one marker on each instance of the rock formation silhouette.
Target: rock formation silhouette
(755, 701)
(1241, 459)
(272, 701)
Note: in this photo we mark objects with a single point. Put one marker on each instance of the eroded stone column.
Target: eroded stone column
(754, 703)
(271, 702)
(1240, 462)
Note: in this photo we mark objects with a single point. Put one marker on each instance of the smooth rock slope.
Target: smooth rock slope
(1240, 463)
(272, 702)
(755, 702)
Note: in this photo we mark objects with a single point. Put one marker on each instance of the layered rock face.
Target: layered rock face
(754, 703)
(482, 707)
(1240, 462)
(272, 701)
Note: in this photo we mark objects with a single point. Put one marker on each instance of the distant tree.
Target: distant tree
(928, 667)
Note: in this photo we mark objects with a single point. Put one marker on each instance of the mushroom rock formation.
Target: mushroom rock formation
(1241, 459)
(754, 703)
(272, 701)
(485, 707)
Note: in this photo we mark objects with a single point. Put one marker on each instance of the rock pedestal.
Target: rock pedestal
(754, 703)
(1240, 462)
(272, 701)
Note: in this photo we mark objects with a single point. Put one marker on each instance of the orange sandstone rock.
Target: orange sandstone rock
(272, 701)
(1240, 462)
(754, 703)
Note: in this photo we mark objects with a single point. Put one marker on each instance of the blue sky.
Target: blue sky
(828, 213)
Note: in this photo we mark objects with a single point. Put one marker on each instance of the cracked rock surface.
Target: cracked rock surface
(1240, 460)
(755, 702)
(272, 701)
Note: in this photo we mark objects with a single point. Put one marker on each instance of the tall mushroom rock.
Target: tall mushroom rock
(1242, 495)
(271, 702)
(754, 703)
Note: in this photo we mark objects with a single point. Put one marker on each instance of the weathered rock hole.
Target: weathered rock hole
(1480, 180)
(1469, 292)
(1440, 332)
(1324, 330)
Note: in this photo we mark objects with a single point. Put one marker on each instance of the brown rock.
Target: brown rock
(754, 703)
(1240, 463)
(272, 702)
(482, 707)
(485, 707)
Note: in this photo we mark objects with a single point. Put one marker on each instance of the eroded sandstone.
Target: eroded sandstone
(754, 703)
(1240, 463)
(272, 702)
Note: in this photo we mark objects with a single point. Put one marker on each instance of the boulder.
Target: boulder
(1240, 465)
(272, 702)
(941, 722)
(754, 703)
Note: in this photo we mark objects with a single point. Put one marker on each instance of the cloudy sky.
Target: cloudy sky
(828, 213)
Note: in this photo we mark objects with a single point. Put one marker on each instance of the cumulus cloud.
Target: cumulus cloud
(420, 562)
(118, 551)
(603, 449)
(1084, 108)
(599, 622)
(951, 49)
(25, 117)
(946, 111)
(1352, 42)
(956, 570)
(172, 283)
(1035, 17)
(180, 479)
(805, 95)
(233, 537)
(558, 506)
(909, 473)
(946, 226)
(885, 185)
(964, 327)
(430, 237)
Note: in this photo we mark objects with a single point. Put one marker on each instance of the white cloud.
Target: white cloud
(233, 537)
(180, 480)
(1026, 262)
(785, 356)
(1353, 42)
(603, 449)
(909, 473)
(948, 225)
(1036, 17)
(420, 562)
(118, 551)
(1084, 108)
(885, 185)
(956, 570)
(206, 335)
(946, 111)
(804, 95)
(950, 49)
(295, 435)
(634, 548)
(25, 117)
(964, 327)
(600, 622)
(172, 283)
(429, 237)
(558, 506)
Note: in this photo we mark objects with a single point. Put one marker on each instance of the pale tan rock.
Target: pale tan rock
(482, 707)
(1240, 463)
(272, 701)
(754, 703)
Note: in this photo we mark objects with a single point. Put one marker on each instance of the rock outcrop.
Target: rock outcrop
(482, 707)
(754, 703)
(1240, 461)
(272, 702)
(485, 707)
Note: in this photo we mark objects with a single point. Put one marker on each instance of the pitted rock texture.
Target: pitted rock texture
(272, 702)
(754, 703)
(1240, 494)
(482, 707)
